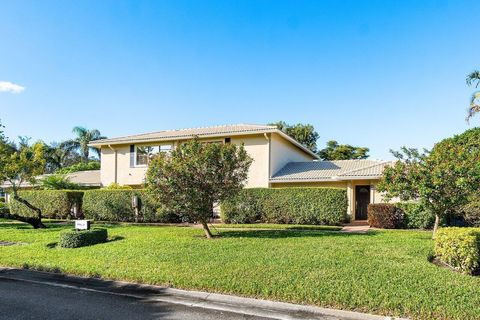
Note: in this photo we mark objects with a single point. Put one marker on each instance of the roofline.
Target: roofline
(100, 143)
(295, 142)
(332, 179)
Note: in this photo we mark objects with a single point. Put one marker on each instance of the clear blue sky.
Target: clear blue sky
(380, 74)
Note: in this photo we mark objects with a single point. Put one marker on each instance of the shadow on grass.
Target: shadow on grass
(115, 238)
(52, 245)
(276, 234)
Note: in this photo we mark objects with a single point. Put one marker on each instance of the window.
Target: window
(143, 154)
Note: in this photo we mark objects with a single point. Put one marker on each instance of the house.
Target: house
(279, 161)
(85, 179)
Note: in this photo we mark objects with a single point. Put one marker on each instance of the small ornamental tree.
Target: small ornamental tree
(195, 176)
(18, 166)
(443, 179)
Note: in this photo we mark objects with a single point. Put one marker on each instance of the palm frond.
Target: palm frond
(473, 77)
(474, 105)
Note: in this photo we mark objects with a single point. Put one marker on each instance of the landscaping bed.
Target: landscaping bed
(382, 272)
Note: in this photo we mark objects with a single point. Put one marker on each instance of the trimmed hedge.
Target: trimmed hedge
(385, 215)
(318, 206)
(55, 204)
(459, 248)
(116, 205)
(416, 216)
(82, 238)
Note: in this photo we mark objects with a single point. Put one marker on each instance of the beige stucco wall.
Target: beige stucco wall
(125, 174)
(375, 196)
(283, 152)
(257, 146)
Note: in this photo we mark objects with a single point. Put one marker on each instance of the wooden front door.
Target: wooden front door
(362, 199)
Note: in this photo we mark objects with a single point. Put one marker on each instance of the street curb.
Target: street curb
(198, 299)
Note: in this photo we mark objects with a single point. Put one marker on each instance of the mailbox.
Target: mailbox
(135, 202)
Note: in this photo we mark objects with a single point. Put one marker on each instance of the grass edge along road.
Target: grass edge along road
(382, 272)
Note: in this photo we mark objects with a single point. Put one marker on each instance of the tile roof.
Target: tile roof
(330, 170)
(188, 133)
(203, 132)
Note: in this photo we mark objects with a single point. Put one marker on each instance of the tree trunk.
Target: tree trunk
(208, 234)
(35, 222)
(435, 226)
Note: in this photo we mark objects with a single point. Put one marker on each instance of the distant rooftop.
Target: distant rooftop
(330, 170)
(90, 178)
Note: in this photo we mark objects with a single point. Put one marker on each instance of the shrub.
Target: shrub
(385, 215)
(326, 206)
(459, 248)
(116, 205)
(58, 182)
(55, 204)
(416, 216)
(471, 212)
(3, 208)
(116, 186)
(82, 238)
(81, 166)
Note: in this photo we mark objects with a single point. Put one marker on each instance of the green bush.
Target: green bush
(3, 208)
(385, 215)
(459, 248)
(81, 166)
(116, 205)
(82, 238)
(471, 212)
(321, 206)
(55, 204)
(416, 216)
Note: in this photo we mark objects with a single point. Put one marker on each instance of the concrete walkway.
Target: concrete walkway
(107, 296)
(356, 227)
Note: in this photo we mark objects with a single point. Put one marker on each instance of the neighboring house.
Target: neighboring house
(86, 179)
(278, 161)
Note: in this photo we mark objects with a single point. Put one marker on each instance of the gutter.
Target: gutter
(332, 179)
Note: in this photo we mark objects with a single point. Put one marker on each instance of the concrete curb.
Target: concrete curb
(199, 299)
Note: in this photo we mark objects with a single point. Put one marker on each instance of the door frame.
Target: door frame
(357, 188)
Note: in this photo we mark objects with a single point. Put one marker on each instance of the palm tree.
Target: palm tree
(474, 78)
(84, 136)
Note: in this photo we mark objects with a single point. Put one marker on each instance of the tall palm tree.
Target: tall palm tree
(474, 79)
(84, 136)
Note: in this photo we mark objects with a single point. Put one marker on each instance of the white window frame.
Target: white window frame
(159, 146)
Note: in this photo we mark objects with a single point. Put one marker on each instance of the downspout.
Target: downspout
(115, 165)
(267, 136)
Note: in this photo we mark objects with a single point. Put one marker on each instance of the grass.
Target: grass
(266, 226)
(382, 272)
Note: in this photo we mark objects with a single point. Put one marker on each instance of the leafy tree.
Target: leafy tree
(474, 79)
(443, 179)
(84, 136)
(335, 151)
(58, 182)
(195, 176)
(303, 133)
(60, 155)
(20, 165)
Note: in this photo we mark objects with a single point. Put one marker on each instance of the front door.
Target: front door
(362, 199)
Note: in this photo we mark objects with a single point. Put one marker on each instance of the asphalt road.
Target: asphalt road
(23, 300)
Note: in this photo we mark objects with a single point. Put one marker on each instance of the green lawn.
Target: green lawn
(383, 272)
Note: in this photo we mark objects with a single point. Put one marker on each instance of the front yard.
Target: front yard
(382, 272)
